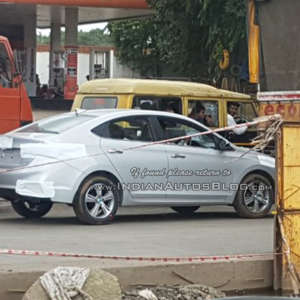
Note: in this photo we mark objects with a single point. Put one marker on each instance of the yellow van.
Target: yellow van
(181, 96)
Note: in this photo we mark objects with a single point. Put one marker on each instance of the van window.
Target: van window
(211, 109)
(171, 104)
(246, 112)
(5, 68)
(99, 102)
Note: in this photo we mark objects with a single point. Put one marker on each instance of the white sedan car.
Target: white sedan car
(99, 160)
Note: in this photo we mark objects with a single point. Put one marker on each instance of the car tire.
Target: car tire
(31, 210)
(252, 201)
(89, 204)
(185, 210)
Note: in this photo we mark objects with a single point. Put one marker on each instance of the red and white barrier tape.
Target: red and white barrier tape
(136, 258)
(209, 131)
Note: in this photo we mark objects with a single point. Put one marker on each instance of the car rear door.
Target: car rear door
(142, 168)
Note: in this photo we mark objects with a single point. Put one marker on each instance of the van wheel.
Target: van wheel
(31, 210)
(256, 197)
(97, 201)
(185, 210)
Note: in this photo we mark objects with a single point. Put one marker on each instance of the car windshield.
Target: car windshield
(57, 125)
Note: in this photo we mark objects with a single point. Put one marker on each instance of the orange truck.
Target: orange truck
(15, 106)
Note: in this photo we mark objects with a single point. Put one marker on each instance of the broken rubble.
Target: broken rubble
(187, 292)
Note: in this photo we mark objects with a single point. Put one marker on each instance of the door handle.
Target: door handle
(178, 155)
(115, 151)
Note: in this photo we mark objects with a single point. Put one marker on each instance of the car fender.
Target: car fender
(251, 170)
(93, 169)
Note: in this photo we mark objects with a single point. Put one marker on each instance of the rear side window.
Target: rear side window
(135, 128)
(99, 102)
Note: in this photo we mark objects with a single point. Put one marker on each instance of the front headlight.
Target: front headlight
(266, 160)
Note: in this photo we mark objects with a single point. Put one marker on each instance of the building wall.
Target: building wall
(121, 71)
(83, 67)
(42, 66)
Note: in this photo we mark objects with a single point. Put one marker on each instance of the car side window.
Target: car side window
(172, 128)
(135, 128)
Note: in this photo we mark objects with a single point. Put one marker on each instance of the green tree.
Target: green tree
(42, 39)
(136, 45)
(94, 37)
(189, 36)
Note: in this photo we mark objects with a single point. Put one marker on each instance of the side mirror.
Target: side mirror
(224, 145)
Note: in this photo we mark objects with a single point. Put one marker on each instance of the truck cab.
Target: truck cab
(15, 106)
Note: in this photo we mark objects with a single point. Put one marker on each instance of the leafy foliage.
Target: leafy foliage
(136, 44)
(187, 35)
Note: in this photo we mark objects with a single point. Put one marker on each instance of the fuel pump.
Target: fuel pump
(58, 73)
(99, 61)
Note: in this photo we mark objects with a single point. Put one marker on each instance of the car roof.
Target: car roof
(155, 87)
(110, 113)
(104, 115)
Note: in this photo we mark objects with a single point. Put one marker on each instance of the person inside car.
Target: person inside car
(232, 116)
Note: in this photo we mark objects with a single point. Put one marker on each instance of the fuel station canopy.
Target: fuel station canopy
(90, 11)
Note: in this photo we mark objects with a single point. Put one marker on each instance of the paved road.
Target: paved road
(135, 232)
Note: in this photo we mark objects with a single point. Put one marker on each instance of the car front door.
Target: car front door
(197, 170)
(142, 169)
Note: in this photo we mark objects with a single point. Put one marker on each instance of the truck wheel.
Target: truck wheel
(31, 210)
(255, 197)
(185, 210)
(97, 201)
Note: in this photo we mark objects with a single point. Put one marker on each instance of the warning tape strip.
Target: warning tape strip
(209, 131)
(136, 258)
